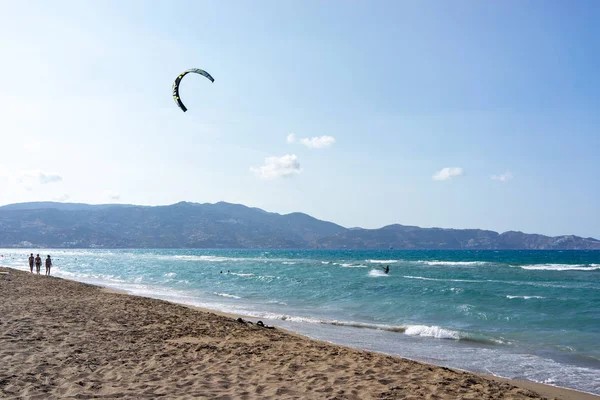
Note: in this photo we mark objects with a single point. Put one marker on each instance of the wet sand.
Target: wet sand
(69, 340)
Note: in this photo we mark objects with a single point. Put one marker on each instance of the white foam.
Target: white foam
(58, 271)
(525, 297)
(288, 263)
(204, 258)
(354, 266)
(234, 273)
(431, 331)
(227, 295)
(377, 273)
(382, 261)
(561, 267)
(443, 280)
(453, 263)
(422, 278)
(285, 317)
(170, 274)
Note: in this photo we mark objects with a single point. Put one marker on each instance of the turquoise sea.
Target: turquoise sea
(531, 315)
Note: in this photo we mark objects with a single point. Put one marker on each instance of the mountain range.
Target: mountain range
(226, 225)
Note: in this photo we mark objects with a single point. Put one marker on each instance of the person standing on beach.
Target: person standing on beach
(38, 263)
(31, 260)
(48, 265)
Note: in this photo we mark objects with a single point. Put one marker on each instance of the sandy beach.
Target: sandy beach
(68, 340)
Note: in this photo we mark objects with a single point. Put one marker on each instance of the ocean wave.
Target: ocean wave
(244, 275)
(444, 280)
(525, 297)
(561, 267)
(432, 331)
(453, 263)
(277, 302)
(227, 295)
(203, 258)
(429, 331)
(288, 263)
(85, 276)
(382, 261)
(285, 317)
(170, 274)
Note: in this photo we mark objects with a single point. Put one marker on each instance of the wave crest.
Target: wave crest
(561, 267)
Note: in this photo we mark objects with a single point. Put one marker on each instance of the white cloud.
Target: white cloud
(504, 177)
(278, 167)
(39, 176)
(112, 195)
(317, 142)
(447, 173)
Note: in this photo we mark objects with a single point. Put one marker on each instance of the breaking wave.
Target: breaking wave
(453, 263)
(561, 267)
(382, 261)
(227, 295)
(429, 331)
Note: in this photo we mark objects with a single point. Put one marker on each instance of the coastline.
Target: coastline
(69, 339)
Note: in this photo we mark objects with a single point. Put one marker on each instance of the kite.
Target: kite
(176, 84)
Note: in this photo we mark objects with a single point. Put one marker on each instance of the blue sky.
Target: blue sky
(462, 114)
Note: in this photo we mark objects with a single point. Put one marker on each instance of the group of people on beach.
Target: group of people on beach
(37, 260)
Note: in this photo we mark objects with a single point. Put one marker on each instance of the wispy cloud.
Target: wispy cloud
(447, 173)
(112, 195)
(63, 197)
(278, 167)
(320, 142)
(39, 176)
(317, 142)
(503, 177)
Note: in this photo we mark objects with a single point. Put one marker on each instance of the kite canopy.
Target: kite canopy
(176, 84)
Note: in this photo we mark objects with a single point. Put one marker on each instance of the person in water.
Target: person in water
(48, 265)
(386, 269)
(38, 263)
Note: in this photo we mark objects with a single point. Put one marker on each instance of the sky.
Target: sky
(462, 114)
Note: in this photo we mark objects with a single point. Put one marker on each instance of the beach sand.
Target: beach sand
(68, 340)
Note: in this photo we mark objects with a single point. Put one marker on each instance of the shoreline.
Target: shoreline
(542, 388)
(450, 381)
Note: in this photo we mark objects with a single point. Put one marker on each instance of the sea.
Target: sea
(528, 315)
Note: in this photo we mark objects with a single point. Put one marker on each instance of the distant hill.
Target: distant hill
(226, 225)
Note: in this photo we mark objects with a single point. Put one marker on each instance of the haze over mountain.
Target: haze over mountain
(226, 225)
